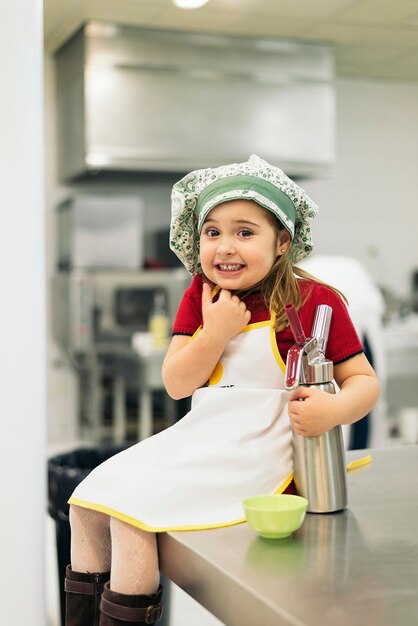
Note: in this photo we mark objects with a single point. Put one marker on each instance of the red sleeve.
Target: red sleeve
(189, 314)
(343, 342)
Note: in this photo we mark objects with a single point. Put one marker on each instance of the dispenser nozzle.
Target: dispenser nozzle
(295, 325)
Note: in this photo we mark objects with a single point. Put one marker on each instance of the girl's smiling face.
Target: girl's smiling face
(239, 243)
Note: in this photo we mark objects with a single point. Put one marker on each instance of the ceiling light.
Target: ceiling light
(190, 4)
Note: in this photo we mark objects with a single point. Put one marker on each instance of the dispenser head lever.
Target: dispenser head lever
(293, 365)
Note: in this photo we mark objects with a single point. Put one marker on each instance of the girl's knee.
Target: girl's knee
(80, 515)
(122, 531)
(118, 527)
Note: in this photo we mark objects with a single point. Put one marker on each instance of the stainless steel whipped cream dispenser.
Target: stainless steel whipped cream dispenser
(318, 462)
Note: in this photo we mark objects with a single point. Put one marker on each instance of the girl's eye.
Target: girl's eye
(244, 232)
(211, 232)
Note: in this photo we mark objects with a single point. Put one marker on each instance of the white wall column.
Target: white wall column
(22, 315)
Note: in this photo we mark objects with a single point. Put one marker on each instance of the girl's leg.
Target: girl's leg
(90, 565)
(90, 540)
(134, 560)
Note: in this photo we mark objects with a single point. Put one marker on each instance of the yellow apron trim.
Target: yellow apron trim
(254, 325)
(365, 460)
(132, 521)
(138, 524)
(196, 332)
(273, 343)
(285, 484)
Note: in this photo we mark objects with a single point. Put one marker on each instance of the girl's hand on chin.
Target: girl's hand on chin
(225, 317)
(313, 412)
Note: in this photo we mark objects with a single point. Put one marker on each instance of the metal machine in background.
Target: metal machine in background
(100, 231)
(92, 307)
(131, 99)
(101, 297)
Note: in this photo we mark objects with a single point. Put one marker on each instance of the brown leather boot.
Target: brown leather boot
(82, 600)
(118, 609)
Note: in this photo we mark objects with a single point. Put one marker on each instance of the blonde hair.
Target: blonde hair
(280, 287)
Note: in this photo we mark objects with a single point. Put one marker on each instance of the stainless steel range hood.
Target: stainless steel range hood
(133, 99)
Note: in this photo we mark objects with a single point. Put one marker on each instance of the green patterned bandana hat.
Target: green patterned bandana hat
(246, 187)
(195, 195)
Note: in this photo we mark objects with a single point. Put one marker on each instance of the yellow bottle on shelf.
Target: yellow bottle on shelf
(159, 322)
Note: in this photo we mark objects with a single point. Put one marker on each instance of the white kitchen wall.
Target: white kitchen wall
(22, 328)
(368, 207)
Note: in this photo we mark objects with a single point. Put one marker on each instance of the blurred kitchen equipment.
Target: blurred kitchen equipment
(131, 99)
(401, 351)
(159, 322)
(99, 231)
(101, 297)
(318, 462)
(415, 291)
(90, 307)
(408, 424)
(95, 316)
(160, 249)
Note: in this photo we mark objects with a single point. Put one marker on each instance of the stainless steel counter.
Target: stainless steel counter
(359, 566)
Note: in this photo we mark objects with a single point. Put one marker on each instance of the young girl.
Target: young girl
(238, 229)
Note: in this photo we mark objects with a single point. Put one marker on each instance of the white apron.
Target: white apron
(235, 442)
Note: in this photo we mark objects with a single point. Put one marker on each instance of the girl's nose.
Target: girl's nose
(226, 246)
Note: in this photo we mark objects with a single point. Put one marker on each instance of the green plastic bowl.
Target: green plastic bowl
(276, 516)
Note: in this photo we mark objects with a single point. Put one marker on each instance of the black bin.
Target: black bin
(65, 472)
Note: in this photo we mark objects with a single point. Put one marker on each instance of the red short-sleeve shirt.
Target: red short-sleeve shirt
(343, 342)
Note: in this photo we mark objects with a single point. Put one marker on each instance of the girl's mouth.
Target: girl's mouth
(229, 267)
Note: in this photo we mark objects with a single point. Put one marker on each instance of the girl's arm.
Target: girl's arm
(189, 364)
(321, 411)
